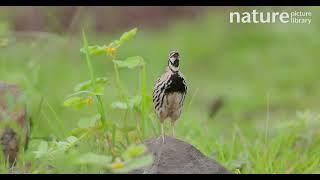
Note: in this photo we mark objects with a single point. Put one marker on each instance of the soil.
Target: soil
(175, 156)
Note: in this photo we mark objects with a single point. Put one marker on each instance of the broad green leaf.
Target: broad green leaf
(42, 149)
(94, 50)
(134, 151)
(101, 80)
(89, 122)
(77, 102)
(98, 90)
(78, 131)
(130, 62)
(136, 163)
(127, 36)
(94, 159)
(119, 105)
(82, 86)
(87, 84)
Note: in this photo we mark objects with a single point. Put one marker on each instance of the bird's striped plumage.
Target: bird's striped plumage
(170, 91)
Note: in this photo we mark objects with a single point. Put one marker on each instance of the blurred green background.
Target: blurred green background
(262, 73)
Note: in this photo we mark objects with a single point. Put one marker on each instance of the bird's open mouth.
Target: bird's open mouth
(176, 63)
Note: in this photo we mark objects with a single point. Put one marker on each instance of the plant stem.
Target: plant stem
(125, 126)
(100, 106)
(59, 121)
(121, 94)
(88, 58)
(93, 79)
(118, 82)
(143, 98)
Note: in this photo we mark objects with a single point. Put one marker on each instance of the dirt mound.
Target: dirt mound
(178, 157)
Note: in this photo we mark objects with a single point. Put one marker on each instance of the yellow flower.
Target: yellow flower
(111, 51)
(88, 100)
(117, 165)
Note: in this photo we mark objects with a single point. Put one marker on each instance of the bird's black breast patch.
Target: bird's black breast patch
(176, 84)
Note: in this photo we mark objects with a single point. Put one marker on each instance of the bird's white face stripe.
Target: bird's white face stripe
(172, 53)
(172, 59)
(173, 68)
(173, 65)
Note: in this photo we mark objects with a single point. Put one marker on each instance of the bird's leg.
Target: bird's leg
(162, 132)
(173, 126)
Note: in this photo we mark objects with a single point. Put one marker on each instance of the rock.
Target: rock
(12, 112)
(178, 157)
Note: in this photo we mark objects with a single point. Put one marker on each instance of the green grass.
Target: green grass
(267, 75)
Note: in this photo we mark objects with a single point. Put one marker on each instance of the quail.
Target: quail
(169, 93)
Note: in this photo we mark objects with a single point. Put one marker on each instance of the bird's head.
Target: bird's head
(173, 61)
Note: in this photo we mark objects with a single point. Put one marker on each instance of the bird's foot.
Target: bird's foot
(173, 130)
(162, 133)
(163, 139)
